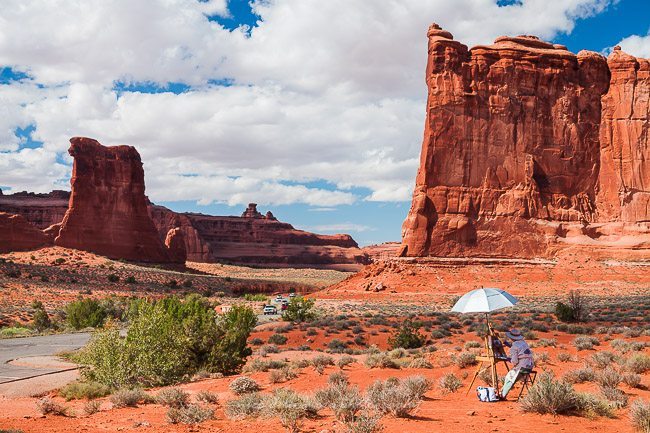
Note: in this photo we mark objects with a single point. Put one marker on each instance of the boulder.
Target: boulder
(16, 234)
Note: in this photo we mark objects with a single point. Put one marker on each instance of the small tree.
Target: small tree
(231, 349)
(407, 336)
(85, 313)
(574, 310)
(299, 310)
(41, 320)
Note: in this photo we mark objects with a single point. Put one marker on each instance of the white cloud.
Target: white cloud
(329, 91)
(638, 46)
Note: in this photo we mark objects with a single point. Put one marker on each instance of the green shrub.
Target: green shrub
(407, 336)
(131, 280)
(173, 397)
(85, 313)
(277, 339)
(40, 320)
(190, 414)
(113, 278)
(299, 310)
(14, 331)
(89, 390)
(550, 396)
(168, 340)
(244, 385)
(257, 297)
(575, 309)
(640, 416)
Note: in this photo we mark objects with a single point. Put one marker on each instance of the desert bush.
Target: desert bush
(417, 385)
(407, 336)
(395, 397)
(282, 375)
(640, 416)
(420, 362)
(47, 406)
(344, 400)
(257, 341)
(550, 396)
(638, 363)
(92, 407)
(564, 357)
(574, 310)
(207, 397)
(602, 359)
(299, 310)
(473, 344)
(244, 385)
(615, 396)
(113, 278)
(261, 365)
(80, 389)
(450, 383)
(173, 397)
(322, 361)
(190, 414)
(129, 397)
(546, 342)
(268, 348)
(580, 375)
(365, 422)
(246, 406)
(380, 360)
(609, 378)
(465, 359)
(258, 297)
(585, 342)
(277, 339)
(85, 313)
(338, 378)
(344, 361)
(632, 380)
(591, 406)
(288, 406)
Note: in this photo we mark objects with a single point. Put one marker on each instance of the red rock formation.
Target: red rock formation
(41, 210)
(624, 187)
(511, 157)
(108, 209)
(255, 238)
(16, 234)
(175, 243)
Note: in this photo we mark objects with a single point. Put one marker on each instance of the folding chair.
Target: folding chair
(527, 379)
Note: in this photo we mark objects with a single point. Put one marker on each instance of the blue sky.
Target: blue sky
(230, 101)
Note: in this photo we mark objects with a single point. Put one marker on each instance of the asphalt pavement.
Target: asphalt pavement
(45, 345)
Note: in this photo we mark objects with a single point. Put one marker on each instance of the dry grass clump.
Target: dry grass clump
(345, 361)
(580, 375)
(640, 416)
(584, 342)
(609, 378)
(365, 422)
(190, 414)
(92, 407)
(397, 397)
(465, 359)
(173, 397)
(632, 380)
(420, 362)
(344, 400)
(47, 406)
(289, 407)
(380, 360)
(591, 406)
(602, 359)
(244, 385)
(615, 396)
(79, 390)
(129, 397)
(564, 357)
(638, 363)
(246, 406)
(550, 396)
(450, 383)
(282, 375)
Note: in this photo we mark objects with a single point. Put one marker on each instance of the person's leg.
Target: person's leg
(510, 380)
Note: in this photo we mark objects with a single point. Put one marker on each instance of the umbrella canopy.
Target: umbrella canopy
(484, 301)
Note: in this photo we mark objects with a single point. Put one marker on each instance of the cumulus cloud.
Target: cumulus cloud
(636, 45)
(345, 227)
(320, 91)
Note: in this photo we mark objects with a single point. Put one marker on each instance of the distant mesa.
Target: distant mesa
(108, 213)
(529, 149)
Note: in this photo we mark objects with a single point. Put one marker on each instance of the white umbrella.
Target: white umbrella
(484, 301)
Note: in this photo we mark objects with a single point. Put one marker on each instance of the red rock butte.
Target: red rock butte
(528, 149)
(107, 213)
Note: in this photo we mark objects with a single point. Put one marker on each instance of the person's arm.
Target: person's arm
(514, 355)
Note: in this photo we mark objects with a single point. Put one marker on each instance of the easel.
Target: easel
(491, 359)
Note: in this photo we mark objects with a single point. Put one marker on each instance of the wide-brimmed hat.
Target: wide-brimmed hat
(514, 334)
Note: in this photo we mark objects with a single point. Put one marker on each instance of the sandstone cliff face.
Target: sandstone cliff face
(16, 234)
(624, 193)
(513, 149)
(255, 238)
(40, 210)
(107, 212)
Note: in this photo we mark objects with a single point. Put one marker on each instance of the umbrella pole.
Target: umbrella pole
(490, 350)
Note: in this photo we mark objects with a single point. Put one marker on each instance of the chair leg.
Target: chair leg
(524, 384)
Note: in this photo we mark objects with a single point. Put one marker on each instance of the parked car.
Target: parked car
(292, 295)
(270, 309)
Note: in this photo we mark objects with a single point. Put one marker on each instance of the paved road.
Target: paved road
(13, 348)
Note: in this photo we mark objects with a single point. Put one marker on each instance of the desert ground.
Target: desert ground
(357, 314)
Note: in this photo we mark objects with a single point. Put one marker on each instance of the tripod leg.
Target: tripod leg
(476, 373)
